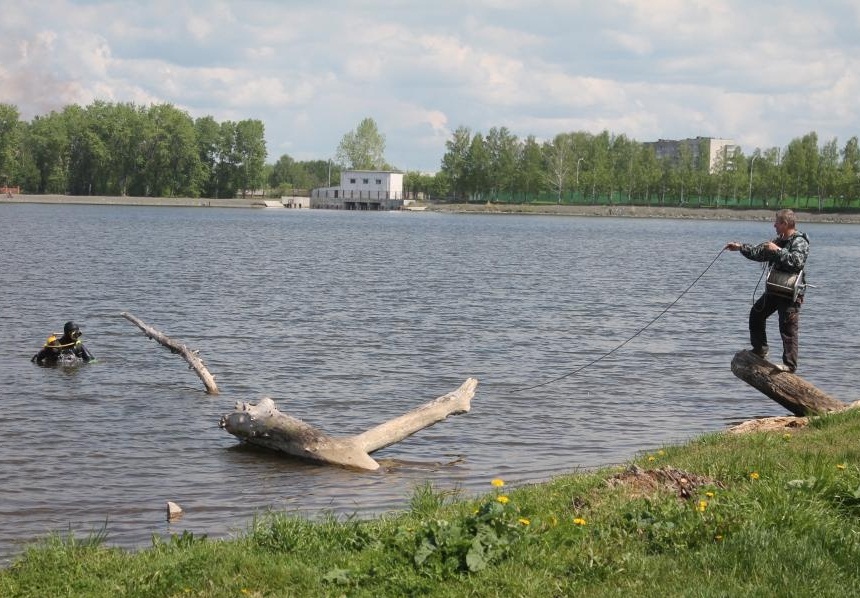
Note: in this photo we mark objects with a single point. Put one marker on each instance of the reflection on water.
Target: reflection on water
(350, 319)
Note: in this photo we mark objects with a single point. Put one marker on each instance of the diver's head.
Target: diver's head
(71, 330)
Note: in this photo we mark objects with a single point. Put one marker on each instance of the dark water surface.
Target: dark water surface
(349, 319)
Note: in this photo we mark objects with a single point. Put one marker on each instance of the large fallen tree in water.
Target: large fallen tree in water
(264, 425)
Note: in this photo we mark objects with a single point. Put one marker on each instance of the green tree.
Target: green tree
(828, 171)
(530, 167)
(290, 175)
(208, 134)
(112, 126)
(686, 174)
(440, 187)
(478, 167)
(10, 139)
(801, 166)
(849, 173)
(227, 180)
(322, 173)
(417, 184)
(559, 162)
(46, 154)
(250, 151)
(364, 148)
(721, 186)
(600, 165)
(623, 156)
(284, 174)
(87, 156)
(771, 174)
(169, 154)
(503, 149)
(455, 160)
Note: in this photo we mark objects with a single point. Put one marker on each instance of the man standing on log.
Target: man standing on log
(787, 255)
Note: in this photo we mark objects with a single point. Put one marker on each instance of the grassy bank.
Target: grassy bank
(763, 514)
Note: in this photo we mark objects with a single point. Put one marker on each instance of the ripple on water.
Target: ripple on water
(346, 320)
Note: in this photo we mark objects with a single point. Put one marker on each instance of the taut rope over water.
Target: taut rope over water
(638, 332)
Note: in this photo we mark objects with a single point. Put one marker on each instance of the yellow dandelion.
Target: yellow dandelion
(661, 452)
(787, 436)
(502, 499)
(840, 466)
(579, 521)
(709, 494)
(718, 538)
(703, 504)
(754, 475)
(524, 521)
(650, 457)
(498, 482)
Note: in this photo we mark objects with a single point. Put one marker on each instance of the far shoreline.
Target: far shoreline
(605, 211)
(634, 211)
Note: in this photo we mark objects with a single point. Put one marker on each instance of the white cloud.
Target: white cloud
(760, 73)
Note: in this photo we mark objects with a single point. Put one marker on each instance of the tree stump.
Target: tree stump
(789, 390)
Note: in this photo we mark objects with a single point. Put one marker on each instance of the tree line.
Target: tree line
(159, 150)
(581, 167)
(125, 149)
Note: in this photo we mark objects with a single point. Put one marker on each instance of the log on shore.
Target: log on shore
(190, 355)
(264, 425)
(789, 390)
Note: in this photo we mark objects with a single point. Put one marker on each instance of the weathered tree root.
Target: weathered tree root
(190, 355)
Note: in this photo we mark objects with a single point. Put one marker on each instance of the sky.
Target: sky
(759, 72)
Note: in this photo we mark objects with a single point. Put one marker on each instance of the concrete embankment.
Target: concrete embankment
(180, 202)
(617, 211)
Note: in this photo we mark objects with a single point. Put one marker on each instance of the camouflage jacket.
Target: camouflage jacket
(791, 256)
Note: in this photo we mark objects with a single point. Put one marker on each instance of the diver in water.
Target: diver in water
(68, 347)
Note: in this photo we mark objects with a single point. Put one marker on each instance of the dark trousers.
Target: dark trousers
(789, 325)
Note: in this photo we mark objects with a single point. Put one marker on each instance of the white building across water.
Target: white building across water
(362, 190)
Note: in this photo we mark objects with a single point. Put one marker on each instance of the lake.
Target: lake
(347, 319)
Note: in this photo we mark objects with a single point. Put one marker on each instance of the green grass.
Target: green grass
(771, 514)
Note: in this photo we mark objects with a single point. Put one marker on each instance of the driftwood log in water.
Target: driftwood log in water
(190, 355)
(789, 390)
(262, 424)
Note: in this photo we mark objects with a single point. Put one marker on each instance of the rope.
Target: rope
(638, 332)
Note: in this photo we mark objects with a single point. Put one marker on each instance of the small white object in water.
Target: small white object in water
(174, 511)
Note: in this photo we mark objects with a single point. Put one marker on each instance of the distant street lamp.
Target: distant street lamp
(752, 163)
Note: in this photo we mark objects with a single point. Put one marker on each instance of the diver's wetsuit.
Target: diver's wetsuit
(66, 348)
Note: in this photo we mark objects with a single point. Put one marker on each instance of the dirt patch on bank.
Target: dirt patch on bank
(638, 482)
